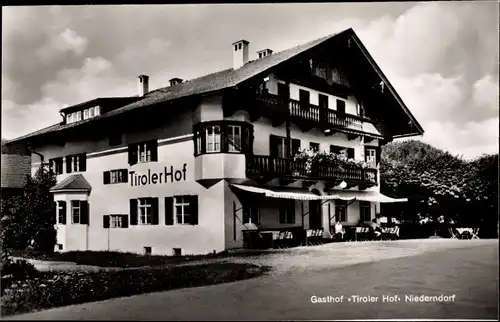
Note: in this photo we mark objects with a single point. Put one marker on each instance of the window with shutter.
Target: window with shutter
(117, 221)
(182, 210)
(145, 211)
(76, 212)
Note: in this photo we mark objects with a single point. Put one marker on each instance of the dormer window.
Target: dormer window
(74, 117)
(91, 112)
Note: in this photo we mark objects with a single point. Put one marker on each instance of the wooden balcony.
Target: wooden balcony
(270, 167)
(308, 113)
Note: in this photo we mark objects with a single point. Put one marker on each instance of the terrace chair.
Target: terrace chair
(453, 233)
(289, 239)
(280, 242)
(475, 233)
(357, 233)
(307, 240)
(319, 236)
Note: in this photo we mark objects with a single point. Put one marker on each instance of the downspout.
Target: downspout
(42, 158)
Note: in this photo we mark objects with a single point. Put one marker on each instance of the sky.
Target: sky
(441, 57)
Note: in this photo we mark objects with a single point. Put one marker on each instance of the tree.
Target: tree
(30, 217)
(438, 184)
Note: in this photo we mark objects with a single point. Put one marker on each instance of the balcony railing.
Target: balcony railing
(309, 112)
(259, 165)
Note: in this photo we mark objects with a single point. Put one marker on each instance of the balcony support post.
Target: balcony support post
(288, 125)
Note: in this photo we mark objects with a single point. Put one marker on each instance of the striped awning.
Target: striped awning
(371, 196)
(291, 193)
(304, 194)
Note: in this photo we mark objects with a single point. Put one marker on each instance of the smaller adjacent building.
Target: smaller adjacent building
(16, 167)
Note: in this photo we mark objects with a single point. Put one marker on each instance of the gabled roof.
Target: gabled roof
(220, 81)
(76, 182)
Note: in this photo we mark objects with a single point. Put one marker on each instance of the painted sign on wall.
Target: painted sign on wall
(167, 176)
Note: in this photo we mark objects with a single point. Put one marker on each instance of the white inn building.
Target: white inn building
(189, 168)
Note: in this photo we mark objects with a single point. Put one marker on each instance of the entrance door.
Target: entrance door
(315, 221)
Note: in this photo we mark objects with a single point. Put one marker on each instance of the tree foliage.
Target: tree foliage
(30, 217)
(440, 185)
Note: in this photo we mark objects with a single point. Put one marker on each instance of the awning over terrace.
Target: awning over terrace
(371, 196)
(304, 194)
(290, 193)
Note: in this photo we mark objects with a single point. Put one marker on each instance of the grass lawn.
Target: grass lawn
(51, 289)
(125, 260)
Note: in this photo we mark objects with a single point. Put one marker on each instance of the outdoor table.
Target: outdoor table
(462, 231)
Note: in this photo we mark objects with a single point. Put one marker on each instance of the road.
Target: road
(466, 269)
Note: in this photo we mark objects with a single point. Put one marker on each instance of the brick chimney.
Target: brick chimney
(240, 53)
(264, 53)
(175, 81)
(143, 85)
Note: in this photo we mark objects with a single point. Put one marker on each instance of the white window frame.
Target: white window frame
(213, 139)
(198, 142)
(183, 203)
(115, 221)
(97, 110)
(76, 208)
(115, 176)
(59, 210)
(371, 156)
(234, 139)
(75, 160)
(55, 162)
(144, 211)
(91, 112)
(86, 114)
(143, 153)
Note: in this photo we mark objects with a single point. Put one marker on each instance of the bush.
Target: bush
(54, 289)
(19, 269)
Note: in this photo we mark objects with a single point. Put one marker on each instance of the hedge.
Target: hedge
(55, 289)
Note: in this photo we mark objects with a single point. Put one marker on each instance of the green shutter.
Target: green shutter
(154, 211)
(133, 211)
(106, 177)
(193, 205)
(105, 221)
(125, 221)
(169, 211)
(84, 216)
